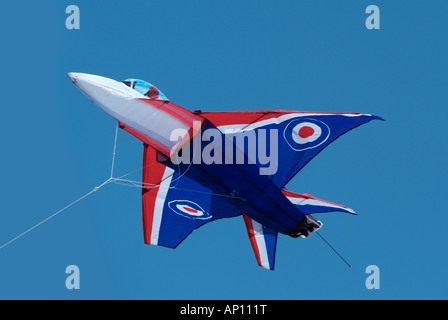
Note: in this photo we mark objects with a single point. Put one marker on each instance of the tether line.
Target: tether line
(113, 155)
(111, 179)
(55, 214)
(333, 249)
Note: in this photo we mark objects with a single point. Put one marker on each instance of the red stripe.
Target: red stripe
(145, 139)
(152, 175)
(188, 137)
(223, 118)
(339, 205)
(293, 194)
(182, 114)
(177, 112)
(308, 196)
(253, 241)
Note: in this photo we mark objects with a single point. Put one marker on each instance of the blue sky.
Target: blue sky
(233, 55)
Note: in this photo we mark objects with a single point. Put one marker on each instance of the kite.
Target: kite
(199, 167)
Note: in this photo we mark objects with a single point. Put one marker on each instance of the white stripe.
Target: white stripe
(296, 201)
(160, 203)
(314, 202)
(261, 244)
(233, 128)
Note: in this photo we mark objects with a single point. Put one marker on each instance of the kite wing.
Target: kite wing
(174, 205)
(308, 204)
(301, 135)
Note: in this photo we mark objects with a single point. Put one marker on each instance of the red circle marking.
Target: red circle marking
(189, 209)
(306, 132)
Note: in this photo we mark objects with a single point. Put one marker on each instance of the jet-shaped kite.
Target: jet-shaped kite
(199, 166)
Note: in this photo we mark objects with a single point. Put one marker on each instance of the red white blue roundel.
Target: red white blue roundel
(304, 134)
(188, 209)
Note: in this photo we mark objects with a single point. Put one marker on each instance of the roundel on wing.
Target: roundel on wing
(188, 209)
(304, 134)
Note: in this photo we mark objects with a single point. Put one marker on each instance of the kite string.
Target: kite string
(140, 184)
(149, 186)
(111, 179)
(181, 174)
(115, 149)
(335, 251)
(56, 213)
(118, 180)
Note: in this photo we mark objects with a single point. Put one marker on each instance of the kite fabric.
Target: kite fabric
(179, 197)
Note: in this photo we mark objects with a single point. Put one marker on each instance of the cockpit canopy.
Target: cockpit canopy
(145, 88)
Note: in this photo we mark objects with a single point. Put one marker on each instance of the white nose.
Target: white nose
(111, 96)
(95, 86)
(72, 76)
(151, 118)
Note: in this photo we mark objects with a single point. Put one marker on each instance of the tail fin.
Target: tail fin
(309, 204)
(263, 241)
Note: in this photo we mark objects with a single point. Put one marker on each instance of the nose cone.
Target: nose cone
(72, 76)
(135, 110)
(94, 87)
(108, 94)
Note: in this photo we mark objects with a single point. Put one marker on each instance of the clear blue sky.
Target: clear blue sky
(226, 55)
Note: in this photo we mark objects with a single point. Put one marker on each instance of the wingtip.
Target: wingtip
(378, 118)
(266, 267)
